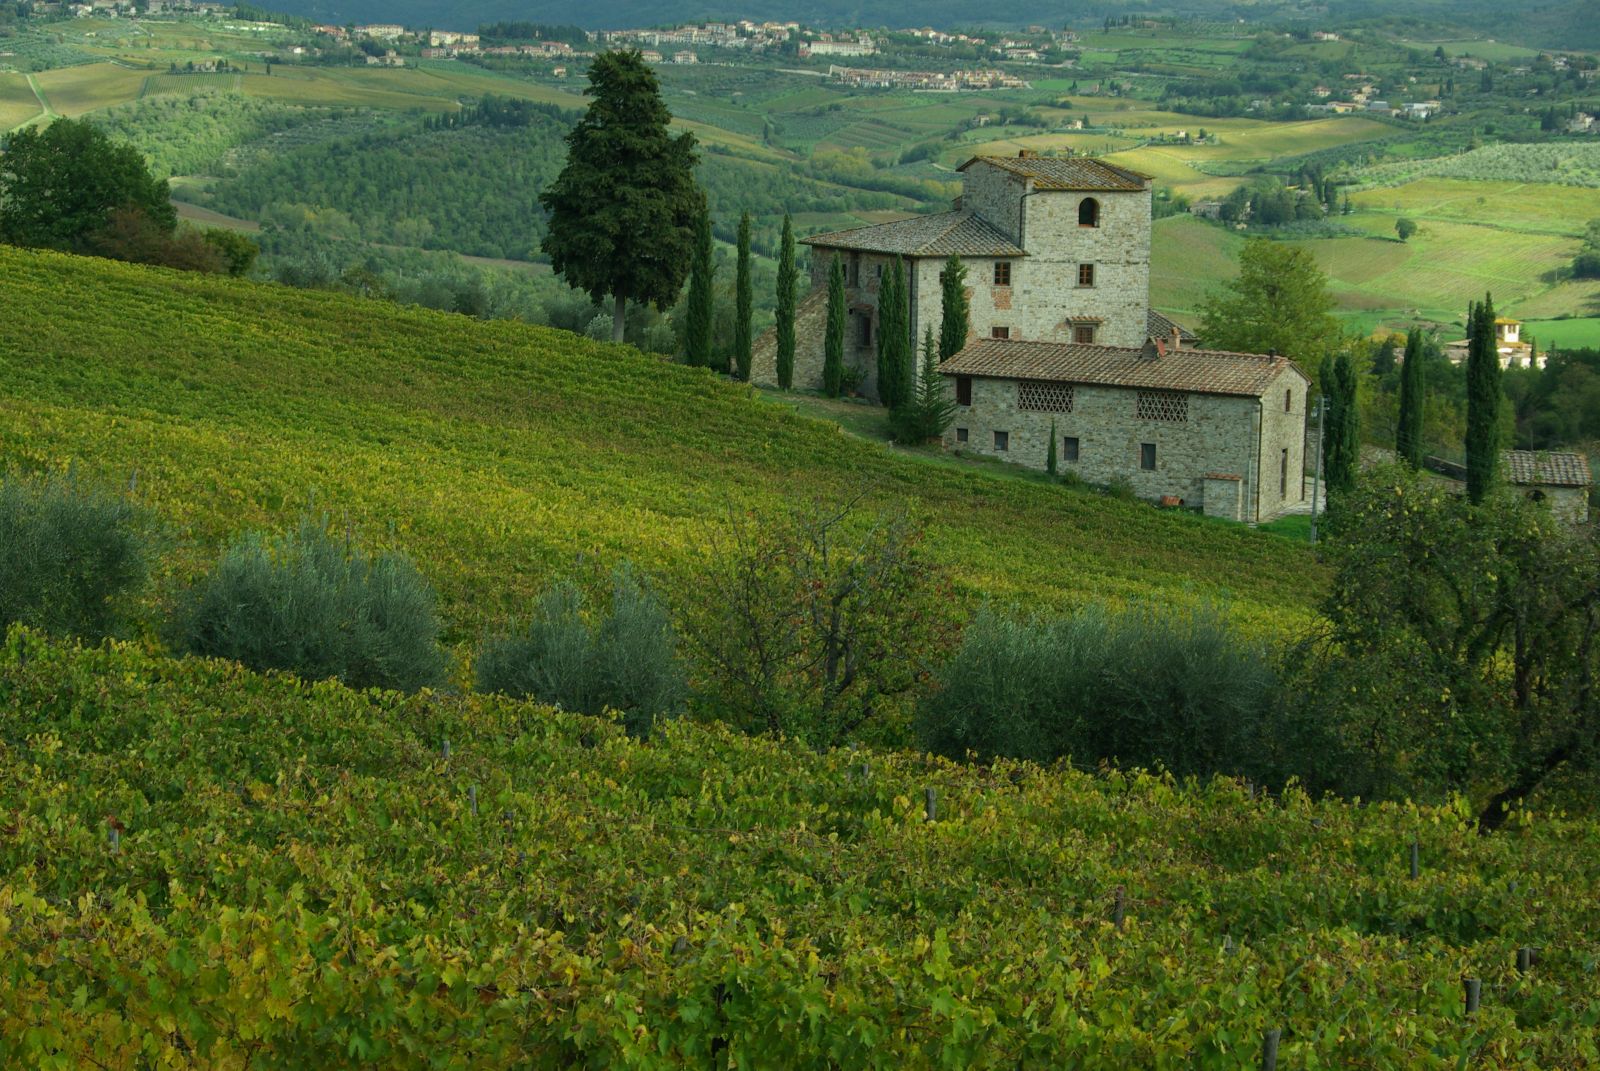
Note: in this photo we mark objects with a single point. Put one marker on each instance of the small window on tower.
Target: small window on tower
(1083, 334)
(1085, 274)
(1088, 212)
(1288, 401)
(963, 390)
(999, 332)
(864, 330)
(1002, 273)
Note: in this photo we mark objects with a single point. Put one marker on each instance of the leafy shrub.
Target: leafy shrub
(317, 606)
(1178, 688)
(625, 660)
(70, 558)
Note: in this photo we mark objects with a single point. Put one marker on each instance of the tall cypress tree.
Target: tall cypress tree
(1483, 401)
(833, 345)
(1050, 454)
(786, 285)
(953, 318)
(742, 303)
(1413, 392)
(623, 209)
(894, 340)
(702, 280)
(1342, 448)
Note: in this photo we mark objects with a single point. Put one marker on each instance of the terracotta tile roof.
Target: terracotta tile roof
(1067, 172)
(1198, 371)
(1161, 327)
(1543, 469)
(961, 232)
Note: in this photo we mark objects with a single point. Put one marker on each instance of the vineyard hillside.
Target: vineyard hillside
(203, 868)
(497, 454)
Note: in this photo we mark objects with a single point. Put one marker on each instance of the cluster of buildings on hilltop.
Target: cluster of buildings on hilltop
(744, 34)
(114, 8)
(1062, 341)
(1064, 353)
(1513, 349)
(930, 81)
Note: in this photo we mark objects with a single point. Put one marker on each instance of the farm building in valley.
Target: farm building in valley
(1221, 432)
(1057, 256)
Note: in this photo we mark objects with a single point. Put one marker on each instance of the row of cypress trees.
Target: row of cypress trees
(700, 308)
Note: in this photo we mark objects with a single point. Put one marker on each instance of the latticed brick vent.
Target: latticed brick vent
(1041, 396)
(1162, 405)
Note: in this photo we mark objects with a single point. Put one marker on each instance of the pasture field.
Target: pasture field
(17, 102)
(1539, 208)
(298, 877)
(497, 453)
(75, 91)
(1189, 258)
(1576, 333)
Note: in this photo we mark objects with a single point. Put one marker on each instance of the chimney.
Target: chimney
(1177, 338)
(1152, 350)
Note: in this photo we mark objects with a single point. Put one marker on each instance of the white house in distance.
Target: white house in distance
(1060, 329)
(1514, 351)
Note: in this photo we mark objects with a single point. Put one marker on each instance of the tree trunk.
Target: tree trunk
(619, 318)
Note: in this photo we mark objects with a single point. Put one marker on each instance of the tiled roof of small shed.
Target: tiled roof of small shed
(961, 232)
(1067, 172)
(1543, 469)
(1198, 371)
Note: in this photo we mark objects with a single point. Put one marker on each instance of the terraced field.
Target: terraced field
(17, 102)
(496, 453)
(74, 91)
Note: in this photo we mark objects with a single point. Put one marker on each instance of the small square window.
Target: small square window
(999, 332)
(1147, 456)
(961, 435)
(1083, 334)
(1002, 440)
(963, 390)
(1069, 448)
(1002, 273)
(1085, 274)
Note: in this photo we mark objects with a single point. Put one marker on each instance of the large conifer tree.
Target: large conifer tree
(953, 317)
(833, 345)
(894, 338)
(702, 282)
(742, 303)
(1483, 400)
(1413, 391)
(786, 285)
(623, 209)
(1342, 445)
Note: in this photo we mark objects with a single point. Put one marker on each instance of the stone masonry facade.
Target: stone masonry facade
(1236, 456)
(1040, 264)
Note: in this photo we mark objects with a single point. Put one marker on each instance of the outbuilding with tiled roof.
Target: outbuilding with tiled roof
(1220, 432)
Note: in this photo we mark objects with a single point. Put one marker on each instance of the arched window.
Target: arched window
(1088, 212)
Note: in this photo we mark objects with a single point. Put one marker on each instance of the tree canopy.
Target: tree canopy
(60, 186)
(624, 209)
(1279, 303)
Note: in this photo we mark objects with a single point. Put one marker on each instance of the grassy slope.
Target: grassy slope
(17, 102)
(500, 452)
(302, 881)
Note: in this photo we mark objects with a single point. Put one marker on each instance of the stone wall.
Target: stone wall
(810, 341)
(1569, 504)
(1216, 446)
(1046, 296)
(1283, 446)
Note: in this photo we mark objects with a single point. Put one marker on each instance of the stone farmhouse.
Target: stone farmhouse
(1057, 255)
(1222, 432)
(1515, 352)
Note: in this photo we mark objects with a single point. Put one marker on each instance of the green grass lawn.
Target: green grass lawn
(74, 91)
(17, 102)
(1576, 333)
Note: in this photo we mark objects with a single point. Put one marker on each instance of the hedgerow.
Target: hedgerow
(203, 868)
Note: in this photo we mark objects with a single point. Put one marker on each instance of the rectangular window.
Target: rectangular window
(1002, 273)
(1147, 456)
(1288, 401)
(961, 435)
(1161, 405)
(1002, 440)
(1085, 274)
(999, 332)
(878, 272)
(1041, 396)
(963, 390)
(855, 269)
(1069, 448)
(1283, 474)
(1083, 334)
(864, 334)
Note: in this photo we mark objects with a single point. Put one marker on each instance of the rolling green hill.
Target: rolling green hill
(498, 453)
(203, 868)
